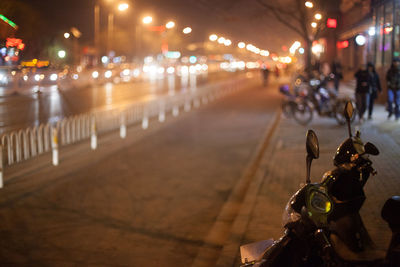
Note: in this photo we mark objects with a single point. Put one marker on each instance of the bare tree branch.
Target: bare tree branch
(304, 19)
(290, 14)
(281, 19)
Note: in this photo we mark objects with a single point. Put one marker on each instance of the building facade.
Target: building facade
(370, 33)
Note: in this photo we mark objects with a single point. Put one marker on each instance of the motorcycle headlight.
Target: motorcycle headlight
(320, 202)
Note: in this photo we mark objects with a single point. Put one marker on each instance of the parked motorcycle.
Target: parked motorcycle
(322, 223)
(290, 100)
(326, 101)
(313, 96)
(293, 105)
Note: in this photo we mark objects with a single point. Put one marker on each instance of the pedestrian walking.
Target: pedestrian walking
(374, 88)
(393, 84)
(337, 71)
(277, 72)
(362, 90)
(265, 74)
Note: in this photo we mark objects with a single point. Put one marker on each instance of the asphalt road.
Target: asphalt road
(25, 107)
(149, 200)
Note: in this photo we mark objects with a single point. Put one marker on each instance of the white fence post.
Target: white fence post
(161, 114)
(93, 138)
(54, 146)
(1, 167)
(175, 111)
(187, 105)
(145, 121)
(122, 129)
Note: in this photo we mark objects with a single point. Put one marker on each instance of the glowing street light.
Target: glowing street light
(187, 30)
(61, 54)
(264, 53)
(360, 40)
(227, 42)
(147, 19)
(294, 47)
(221, 40)
(123, 6)
(314, 24)
(371, 31)
(170, 25)
(66, 35)
(309, 4)
(241, 45)
(318, 16)
(213, 37)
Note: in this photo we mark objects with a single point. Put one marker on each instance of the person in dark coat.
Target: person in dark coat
(374, 89)
(362, 90)
(393, 84)
(265, 74)
(337, 71)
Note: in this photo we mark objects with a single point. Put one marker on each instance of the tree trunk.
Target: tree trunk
(307, 56)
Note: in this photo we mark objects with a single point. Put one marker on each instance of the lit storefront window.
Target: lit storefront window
(387, 33)
(386, 39)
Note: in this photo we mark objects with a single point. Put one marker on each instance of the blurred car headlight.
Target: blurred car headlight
(136, 73)
(108, 74)
(170, 70)
(53, 77)
(126, 72)
(160, 70)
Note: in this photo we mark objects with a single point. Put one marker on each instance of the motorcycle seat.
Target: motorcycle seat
(391, 213)
(369, 254)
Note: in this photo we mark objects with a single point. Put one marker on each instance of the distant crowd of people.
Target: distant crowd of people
(368, 87)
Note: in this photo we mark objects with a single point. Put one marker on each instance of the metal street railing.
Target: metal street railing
(22, 145)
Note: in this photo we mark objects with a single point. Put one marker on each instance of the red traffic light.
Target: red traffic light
(331, 23)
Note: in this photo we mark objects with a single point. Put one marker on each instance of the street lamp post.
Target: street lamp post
(121, 7)
(71, 38)
(110, 34)
(96, 31)
(138, 34)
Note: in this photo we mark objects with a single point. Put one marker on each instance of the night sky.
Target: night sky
(239, 20)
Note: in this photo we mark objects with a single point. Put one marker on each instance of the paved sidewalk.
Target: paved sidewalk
(284, 170)
(379, 117)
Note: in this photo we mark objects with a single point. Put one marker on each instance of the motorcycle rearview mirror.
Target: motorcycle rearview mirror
(348, 114)
(312, 147)
(371, 149)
